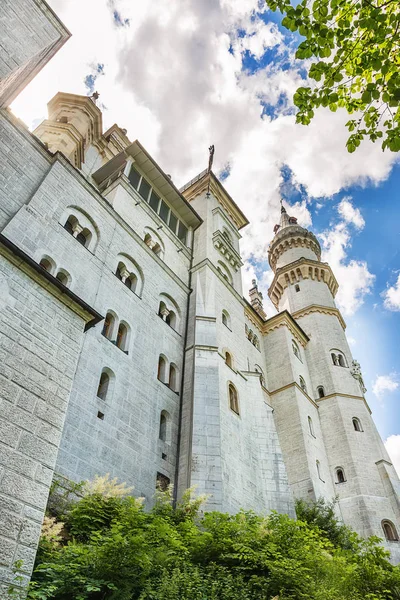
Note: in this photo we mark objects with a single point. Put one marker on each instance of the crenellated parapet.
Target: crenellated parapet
(293, 273)
(290, 237)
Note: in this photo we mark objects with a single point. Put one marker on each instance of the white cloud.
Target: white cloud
(175, 79)
(385, 384)
(350, 214)
(393, 447)
(354, 278)
(392, 296)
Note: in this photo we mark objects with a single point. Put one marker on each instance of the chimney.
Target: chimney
(256, 299)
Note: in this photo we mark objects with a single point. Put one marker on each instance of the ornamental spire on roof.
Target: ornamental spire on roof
(285, 220)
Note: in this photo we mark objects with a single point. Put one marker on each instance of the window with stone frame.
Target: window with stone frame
(390, 531)
(233, 399)
(296, 350)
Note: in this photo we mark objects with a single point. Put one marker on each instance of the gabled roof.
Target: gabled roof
(155, 176)
(200, 183)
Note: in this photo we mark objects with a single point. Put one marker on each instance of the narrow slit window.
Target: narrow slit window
(104, 384)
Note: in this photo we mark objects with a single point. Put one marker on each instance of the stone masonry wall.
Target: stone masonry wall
(40, 339)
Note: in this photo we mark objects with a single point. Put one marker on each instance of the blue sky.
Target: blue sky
(186, 74)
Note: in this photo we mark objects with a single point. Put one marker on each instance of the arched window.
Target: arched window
(164, 426)
(127, 278)
(357, 424)
(317, 463)
(171, 319)
(169, 311)
(47, 264)
(321, 391)
(70, 223)
(122, 337)
(338, 358)
(226, 319)
(297, 288)
(390, 531)
(153, 241)
(63, 277)
(104, 384)
(173, 378)
(162, 369)
(311, 426)
(131, 282)
(233, 399)
(296, 350)
(84, 237)
(303, 384)
(228, 359)
(340, 478)
(81, 226)
(108, 327)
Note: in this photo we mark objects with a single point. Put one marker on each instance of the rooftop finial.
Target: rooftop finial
(211, 150)
(283, 209)
(94, 97)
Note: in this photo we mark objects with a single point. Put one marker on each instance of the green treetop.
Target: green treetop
(356, 44)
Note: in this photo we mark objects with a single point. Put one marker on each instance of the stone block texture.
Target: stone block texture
(30, 35)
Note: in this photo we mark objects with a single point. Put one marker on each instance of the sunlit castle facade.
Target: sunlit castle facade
(128, 347)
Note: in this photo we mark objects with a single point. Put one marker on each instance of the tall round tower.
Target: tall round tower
(359, 468)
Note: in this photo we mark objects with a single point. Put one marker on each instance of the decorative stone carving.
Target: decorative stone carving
(356, 372)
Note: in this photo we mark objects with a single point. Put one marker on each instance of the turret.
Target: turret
(74, 123)
(295, 257)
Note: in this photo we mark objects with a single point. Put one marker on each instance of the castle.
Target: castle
(127, 346)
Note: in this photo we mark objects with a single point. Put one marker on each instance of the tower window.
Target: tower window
(303, 384)
(122, 338)
(100, 416)
(226, 320)
(338, 358)
(321, 391)
(233, 399)
(390, 531)
(162, 369)
(108, 326)
(228, 359)
(296, 350)
(47, 264)
(357, 424)
(311, 426)
(104, 383)
(340, 478)
(173, 378)
(164, 420)
(297, 288)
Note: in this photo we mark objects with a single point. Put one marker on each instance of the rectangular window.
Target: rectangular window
(182, 232)
(172, 222)
(144, 189)
(154, 201)
(134, 177)
(164, 211)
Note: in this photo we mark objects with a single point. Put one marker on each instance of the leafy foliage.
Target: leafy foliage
(113, 549)
(357, 44)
